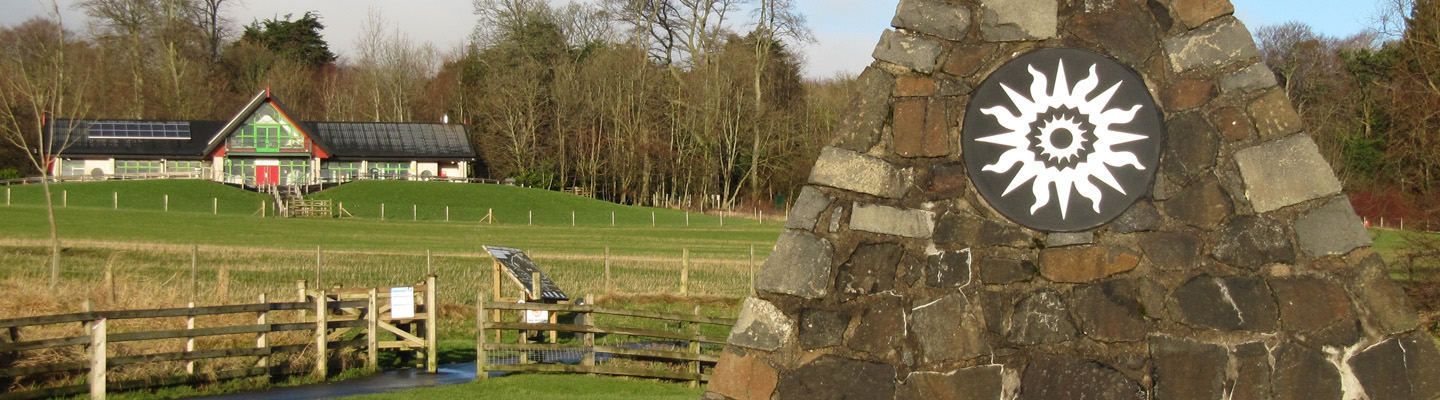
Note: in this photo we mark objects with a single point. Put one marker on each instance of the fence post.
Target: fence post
(695, 348)
(722, 217)
(608, 287)
(532, 217)
(322, 359)
(300, 286)
(382, 211)
(319, 271)
(572, 217)
(589, 321)
(214, 206)
(687, 218)
(414, 212)
(190, 341)
(262, 339)
(612, 218)
(752, 270)
(97, 359)
(429, 263)
(432, 312)
(685, 272)
(652, 219)
(7, 196)
(115, 200)
(480, 357)
(64, 198)
(372, 332)
(167, 203)
(194, 266)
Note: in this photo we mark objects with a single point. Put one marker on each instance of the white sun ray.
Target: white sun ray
(1064, 180)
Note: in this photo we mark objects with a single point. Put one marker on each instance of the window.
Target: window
(72, 168)
(295, 172)
(240, 171)
(267, 132)
(184, 166)
(340, 171)
(390, 170)
(136, 167)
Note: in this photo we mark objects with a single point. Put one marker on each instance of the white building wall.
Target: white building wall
(106, 166)
(422, 167)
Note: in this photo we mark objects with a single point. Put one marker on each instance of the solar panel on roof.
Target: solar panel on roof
(138, 130)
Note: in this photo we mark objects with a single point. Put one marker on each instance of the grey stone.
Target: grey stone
(975, 383)
(822, 328)
(761, 326)
(969, 229)
(1233, 303)
(1190, 148)
(859, 129)
(1202, 205)
(1285, 172)
(1218, 43)
(1381, 302)
(1016, 20)
(1316, 310)
(932, 17)
(948, 269)
(1051, 377)
(909, 51)
(1250, 241)
(848, 170)
(949, 329)
(1252, 364)
(1331, 229)
(888, 220)
(799, 266)
(1422, 359)
(835, 218)
(1304, 374)
(1111, 311)
(870, 270)
(882, 327)
(999, 271)
(1042, 318)
(1122, 28)
(1172, 251)
(1399, 369)
(1060, 239)
(1140, 217)
(996, 305)
(832, 377)
(1254, 77)
(808, 206)
(1186, 369)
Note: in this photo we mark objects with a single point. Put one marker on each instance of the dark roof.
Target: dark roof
(82, 143)
(393, 140)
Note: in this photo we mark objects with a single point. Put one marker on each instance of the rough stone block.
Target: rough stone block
(1255, 77)
(888, 220)
(1190, 148)
(1194, 13)
(914, 52)
(1233, 123)
(1121, 27)
(1062, 239)
(947, 180)
(1331, 229)
(996, 271)
(949, 329)
(808, 206)
(822, 328)
(966, 60)
(1186, 369)
(1285, 172)
(1172, 251)
(745, 377)
(882, 327)
(1217, 43)
(1080, 264)
(859, 129)
(914, 86)
(1385, 306)
(1274, 116)
(975, 383)
(1315, 309)
(799, 266)
(1110, 311)
(1187, 94)
(1042, 318)
(1252, 364)
(832, 377)
(948, 269)
(1016, 20)
(761, 326)
(1140, 217)
(1234, 303)
(933, 17)
(920, 128)
(870, 270)
(1051, 377)
(969, 229)
(1304, 374)
(1202, 204)
(848, 170)
(1250, 241)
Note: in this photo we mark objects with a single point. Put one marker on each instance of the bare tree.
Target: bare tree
(130, 19)
(37, 84)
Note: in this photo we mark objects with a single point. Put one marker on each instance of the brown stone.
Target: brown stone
(1315, 309)
(947, 180)
(1187, 94)
(864, 118)
(966, 60)
(1232, 123)
(1274, 116)
(1120, 26)
(914, 85)
(1077, 264)
(743, 377)
(920, 128)
(882, 328)
(1202, 205)
(1194, 13)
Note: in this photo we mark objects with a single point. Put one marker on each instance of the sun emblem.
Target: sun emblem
(1062, 139)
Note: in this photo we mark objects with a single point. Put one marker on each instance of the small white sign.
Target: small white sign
(402, 302)
(537, 317)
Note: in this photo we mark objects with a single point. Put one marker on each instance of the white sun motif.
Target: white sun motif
(1060, 139)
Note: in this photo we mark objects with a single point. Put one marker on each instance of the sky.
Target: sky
(845, 30)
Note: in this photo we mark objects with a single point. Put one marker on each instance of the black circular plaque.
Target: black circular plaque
(1062, 139)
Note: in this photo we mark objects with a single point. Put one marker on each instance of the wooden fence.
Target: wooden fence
(687, 364)
(327, 317)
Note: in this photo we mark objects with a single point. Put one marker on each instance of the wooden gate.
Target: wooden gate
(413, 333)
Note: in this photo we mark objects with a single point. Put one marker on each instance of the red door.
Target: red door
(267, 175)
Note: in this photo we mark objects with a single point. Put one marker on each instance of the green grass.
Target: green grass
(191, 196)
(549, 386)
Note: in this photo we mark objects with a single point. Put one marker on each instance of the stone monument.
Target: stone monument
(1066, 199)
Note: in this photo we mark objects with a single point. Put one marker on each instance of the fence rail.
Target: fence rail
(684, 363)
(346, 319)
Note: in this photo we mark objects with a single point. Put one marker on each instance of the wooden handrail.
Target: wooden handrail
(580, 308)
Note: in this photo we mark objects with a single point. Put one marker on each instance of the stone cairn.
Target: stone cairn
(1242, 272)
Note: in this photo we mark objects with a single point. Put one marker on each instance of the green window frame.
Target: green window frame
(240, 171)
(389, 170)
(137, 167)
(339, 171)
(70, 167)
(295, 172)
(184, 166)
